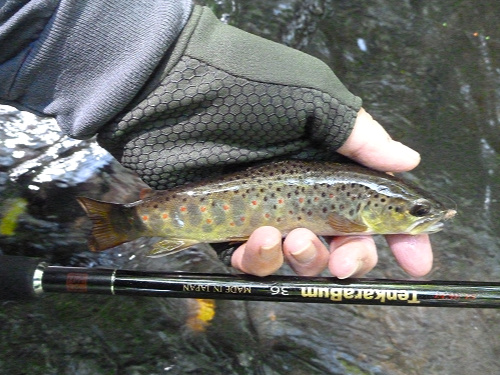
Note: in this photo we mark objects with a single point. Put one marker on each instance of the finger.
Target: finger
(261, 255)
(370, 145)
(413, 253)
(352, 256)
(305, 252)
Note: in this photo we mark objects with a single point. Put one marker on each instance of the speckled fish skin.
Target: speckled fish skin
(327, 198)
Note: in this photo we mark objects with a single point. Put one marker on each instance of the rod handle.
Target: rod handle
(17, 276)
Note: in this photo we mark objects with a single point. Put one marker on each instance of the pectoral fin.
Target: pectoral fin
(167, 247)
(344, 225)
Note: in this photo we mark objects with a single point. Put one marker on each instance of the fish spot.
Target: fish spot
(225, 207)
(164, 216)
(280, 201)
(145, 218)
(301, 200)
(203, 208)
(155, 206)
(309, 213)
(183, 209)
(331, 196)
(333, 207)
(209, 221)
(267, 215)
(242, 219)
(232, 224)
(325, 210)
(254, 203)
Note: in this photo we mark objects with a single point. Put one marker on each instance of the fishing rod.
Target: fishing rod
(23, 278)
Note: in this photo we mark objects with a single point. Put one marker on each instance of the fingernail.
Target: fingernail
(409, 155)
(305, 254)
(270, 252)
(352, 271)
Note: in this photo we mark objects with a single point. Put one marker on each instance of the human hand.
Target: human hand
(348, 256)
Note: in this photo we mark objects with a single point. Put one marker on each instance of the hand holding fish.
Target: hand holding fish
(368, 144)
(196, 97)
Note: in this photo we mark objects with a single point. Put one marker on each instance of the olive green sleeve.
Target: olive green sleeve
(226, 97)
(225, 46)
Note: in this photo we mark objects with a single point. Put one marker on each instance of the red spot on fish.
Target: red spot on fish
(145, 218)
(232, 224)
(280, 201)
(209, 221)
(316, 199)
(301, 200)
(267, 216)
(203, 208)
(165, 216)
(331, 195)
(254, 203)
(243, 218)
(226, 207)
(183, 209)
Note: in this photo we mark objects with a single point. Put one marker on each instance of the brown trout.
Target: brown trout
(327, 198)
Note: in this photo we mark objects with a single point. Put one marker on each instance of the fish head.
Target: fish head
(401, 209)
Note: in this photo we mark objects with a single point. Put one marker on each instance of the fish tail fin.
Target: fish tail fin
(104, 232)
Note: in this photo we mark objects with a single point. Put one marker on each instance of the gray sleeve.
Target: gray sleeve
(82, 62)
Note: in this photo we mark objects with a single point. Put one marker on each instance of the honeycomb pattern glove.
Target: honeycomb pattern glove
(224, 98)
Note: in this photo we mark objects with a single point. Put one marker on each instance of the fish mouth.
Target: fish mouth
(431, 224)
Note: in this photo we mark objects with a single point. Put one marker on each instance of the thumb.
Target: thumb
(370, 145)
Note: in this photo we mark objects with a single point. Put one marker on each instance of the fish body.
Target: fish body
(327, 198)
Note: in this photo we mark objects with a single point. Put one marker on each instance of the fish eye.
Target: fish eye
(420, 209)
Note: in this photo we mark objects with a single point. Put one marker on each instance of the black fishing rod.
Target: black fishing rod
(22, 278)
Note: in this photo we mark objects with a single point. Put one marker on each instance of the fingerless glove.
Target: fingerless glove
(226, 97)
